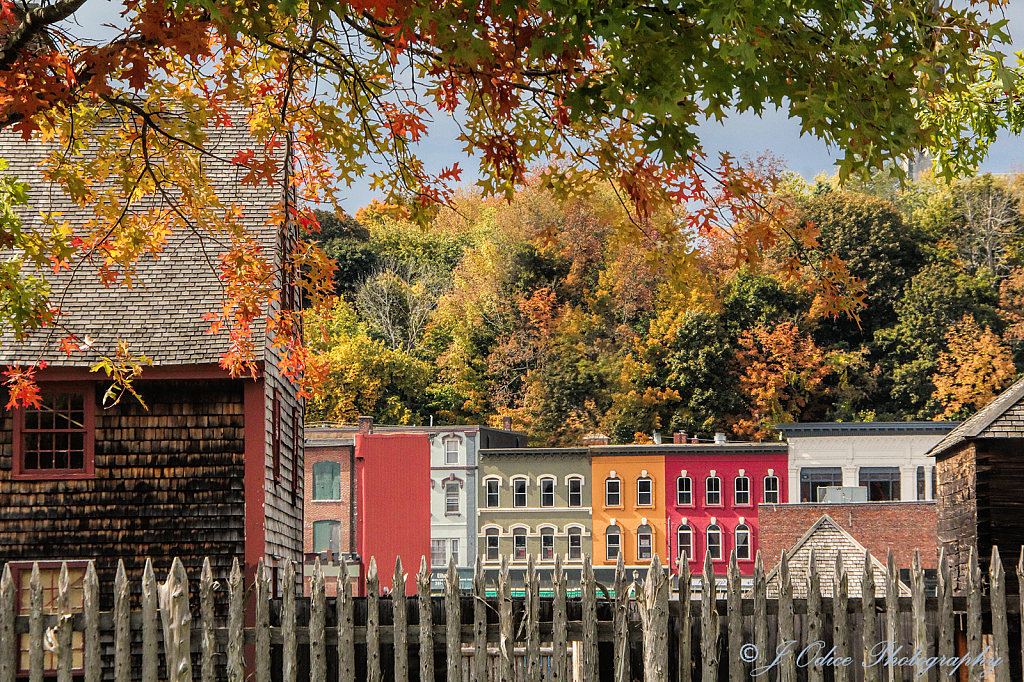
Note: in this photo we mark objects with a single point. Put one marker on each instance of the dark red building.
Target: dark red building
(393, 502)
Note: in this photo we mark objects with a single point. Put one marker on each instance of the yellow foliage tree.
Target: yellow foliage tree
(977, 366)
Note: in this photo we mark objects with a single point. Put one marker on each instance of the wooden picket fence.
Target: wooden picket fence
(639, 629)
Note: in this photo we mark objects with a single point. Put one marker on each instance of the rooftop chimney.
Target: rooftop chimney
(719, 438)
(506, 423)
(694, 441)
(679, 437)
(365, 425)
(656, 437)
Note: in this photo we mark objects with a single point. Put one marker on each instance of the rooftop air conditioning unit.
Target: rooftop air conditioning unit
(837, 494)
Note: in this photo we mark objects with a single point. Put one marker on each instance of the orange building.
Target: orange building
(628, 507)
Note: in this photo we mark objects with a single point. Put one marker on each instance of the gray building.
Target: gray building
(534, 502)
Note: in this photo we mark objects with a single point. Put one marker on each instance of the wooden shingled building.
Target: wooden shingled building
(980, 473)
(210, 467)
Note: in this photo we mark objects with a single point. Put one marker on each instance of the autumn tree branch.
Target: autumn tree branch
(34, 23)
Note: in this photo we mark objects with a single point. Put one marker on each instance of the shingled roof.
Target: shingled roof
(161, 315)
(1001, 418)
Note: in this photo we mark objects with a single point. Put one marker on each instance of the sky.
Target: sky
(739, 134)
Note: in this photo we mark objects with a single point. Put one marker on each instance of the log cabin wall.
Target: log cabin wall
(958, 509)
(168, 482)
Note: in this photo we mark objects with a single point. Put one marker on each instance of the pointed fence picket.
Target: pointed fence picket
(502, 638)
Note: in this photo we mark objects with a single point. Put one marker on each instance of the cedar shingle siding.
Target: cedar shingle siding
(168, 483)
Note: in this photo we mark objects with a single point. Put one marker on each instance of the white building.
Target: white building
(888, 458)
(454, 459)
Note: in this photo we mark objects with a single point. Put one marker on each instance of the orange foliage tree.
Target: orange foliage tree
(610, 93)
(974, 369)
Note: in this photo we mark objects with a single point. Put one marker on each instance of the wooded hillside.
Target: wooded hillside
(568, 318)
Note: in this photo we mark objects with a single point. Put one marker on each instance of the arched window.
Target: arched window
(644, 543)
(612, 543)
(684, 491)
(575, 543)
(644, 492)
(518, 492)
(612, 492)
(684, 542)
(326, 481)
(742, 542)
(576, 492)
(547, 544)
(547, 492)
(715, 542)
(519, 544)
(492, 543)
(492, 492)
(771, 489)
(713, 491)
(742, 489)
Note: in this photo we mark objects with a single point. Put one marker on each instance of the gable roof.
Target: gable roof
(161, 316)
(1001, 418)
(827, 538)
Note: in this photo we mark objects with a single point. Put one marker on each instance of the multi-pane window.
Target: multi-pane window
(612, 543)
(547, 543)
(612, 492)
(519, 492)
(451, 451)
(49, 580)
(921, 493)
(742, 542)
(575, 543)
(326, 481)
(812, 478)
(492, 544)
(742, 490)
(492, 492)
(713, 490)
(326, 536)
(451, 498)
(684, 491)
(883, 483)
(644, 492)
(935, 485)
(438, 552)
(55, 438)
(455, 550)
(644, 543)
(575, 492)
(519, 544)
(771, 489)
(684, 542)
(715, 542)
(547, 492)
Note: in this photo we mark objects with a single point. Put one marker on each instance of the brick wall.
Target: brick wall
(958, 508)
(903, 526)
(335, 510)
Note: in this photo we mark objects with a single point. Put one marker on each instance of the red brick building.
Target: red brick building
(878, 526)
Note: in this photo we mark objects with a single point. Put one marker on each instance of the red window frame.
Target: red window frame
(87, 389)
(20, 568)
